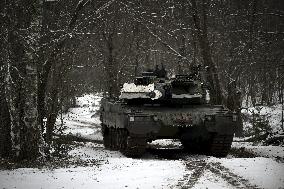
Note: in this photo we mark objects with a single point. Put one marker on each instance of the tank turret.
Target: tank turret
(155, 87)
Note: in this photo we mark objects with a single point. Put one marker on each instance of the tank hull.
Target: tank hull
(194, 125)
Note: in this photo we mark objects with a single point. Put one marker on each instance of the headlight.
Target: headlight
(155, 118)
(209, 117)
(235, 117)
(131, 118)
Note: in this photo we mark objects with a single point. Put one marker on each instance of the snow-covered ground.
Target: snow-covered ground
(110, 169)
(259, 171)
(117, 171)
(211, 180)
(276, 152)
(113, 171)
(273, 114)
(84, 121)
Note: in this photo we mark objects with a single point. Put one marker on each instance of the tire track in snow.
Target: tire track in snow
(196, 168)
(233, 179)
(198, 165)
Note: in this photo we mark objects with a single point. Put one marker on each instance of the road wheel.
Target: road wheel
(134, 147)
(220, 145)
(113, 138)
(119, 139)
(106, 138)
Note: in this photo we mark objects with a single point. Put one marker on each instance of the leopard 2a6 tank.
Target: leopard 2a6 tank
(156, 107)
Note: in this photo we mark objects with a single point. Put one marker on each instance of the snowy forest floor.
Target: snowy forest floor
(80, 161)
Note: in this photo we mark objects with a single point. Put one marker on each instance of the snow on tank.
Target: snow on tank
(132, 91)
(187, 95)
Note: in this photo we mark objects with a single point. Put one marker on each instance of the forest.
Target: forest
(54, 50)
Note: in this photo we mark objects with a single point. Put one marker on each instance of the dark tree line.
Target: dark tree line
(37, 45)
(52, 51)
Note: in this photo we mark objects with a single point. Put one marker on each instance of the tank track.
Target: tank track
(220, 145)
(217, 145)
(118, 139)
(106, 137)
(135, 147)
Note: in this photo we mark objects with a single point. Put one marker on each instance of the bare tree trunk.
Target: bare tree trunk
(5, 127)
(252, 89)
(53, 102)
(5, 121)
(31, 145)
(20, 86)
(46, 61)
(216, 93)
(111, 67)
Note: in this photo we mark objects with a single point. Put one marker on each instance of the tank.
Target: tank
(156, 107)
